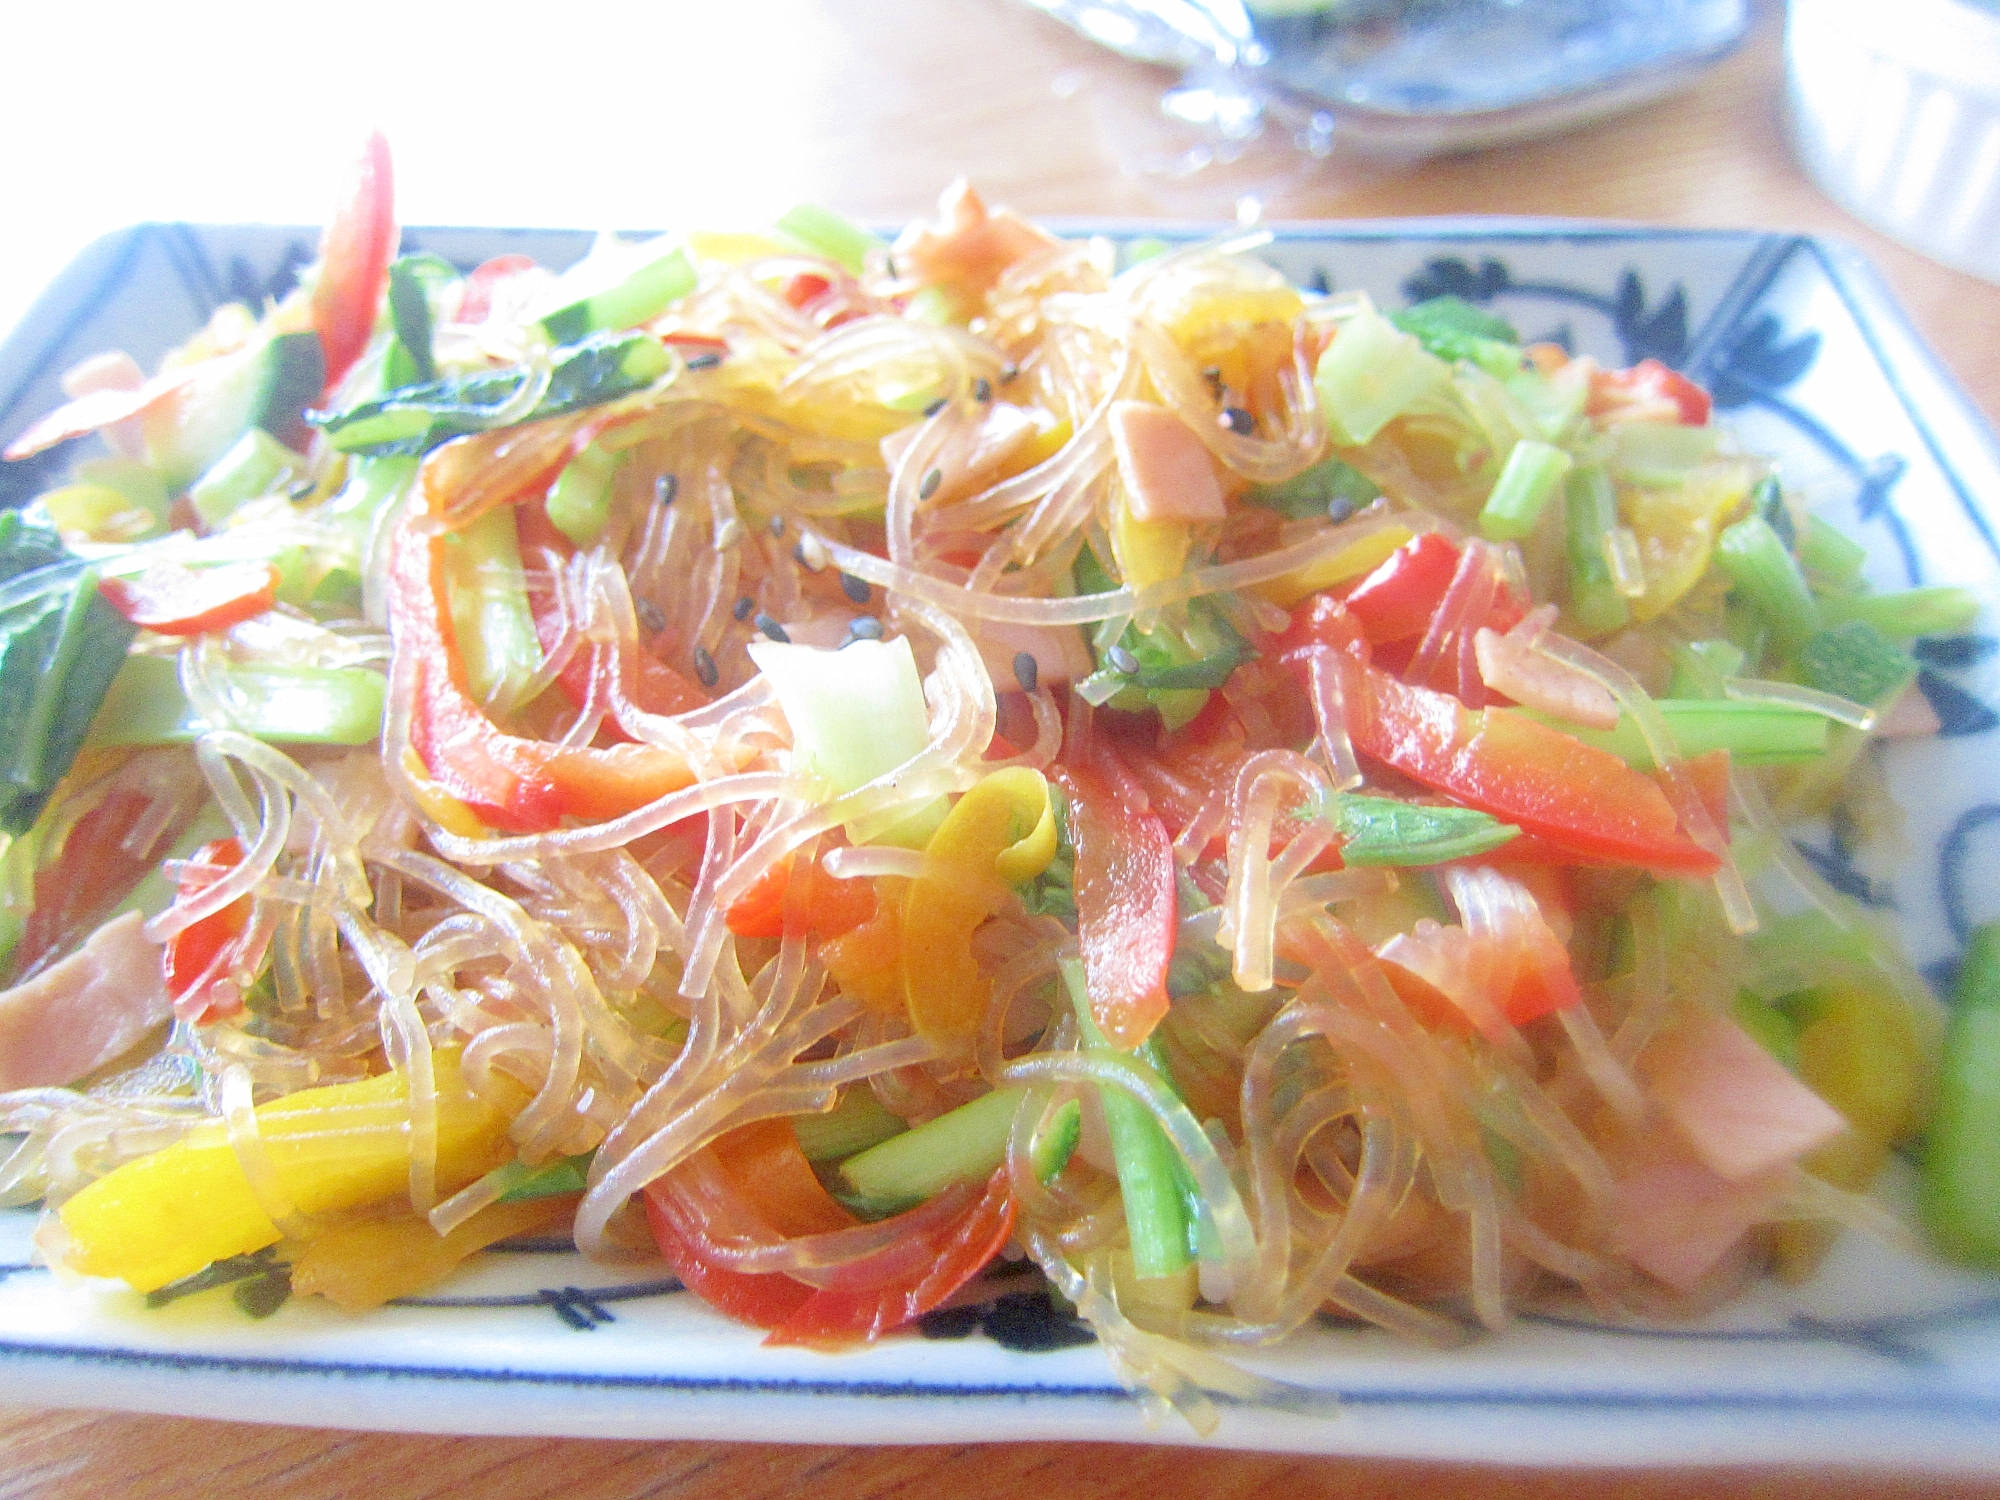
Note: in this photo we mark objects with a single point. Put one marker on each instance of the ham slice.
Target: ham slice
(1675, 1219)
(1167, 470)
(77, 1015)
(1735, 1105)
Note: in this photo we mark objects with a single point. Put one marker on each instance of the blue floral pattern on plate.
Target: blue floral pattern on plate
(1888, 1359)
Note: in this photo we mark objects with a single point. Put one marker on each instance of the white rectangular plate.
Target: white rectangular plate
(1888, 1359)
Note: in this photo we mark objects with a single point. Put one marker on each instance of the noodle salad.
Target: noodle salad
(877, 773)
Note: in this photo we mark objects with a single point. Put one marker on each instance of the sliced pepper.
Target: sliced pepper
(354, 261)
(1000, 832)
(173, 599)
(199, 955)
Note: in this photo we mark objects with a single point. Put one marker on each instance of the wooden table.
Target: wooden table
(877, 104)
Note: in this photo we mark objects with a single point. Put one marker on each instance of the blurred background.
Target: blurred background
(600, 115)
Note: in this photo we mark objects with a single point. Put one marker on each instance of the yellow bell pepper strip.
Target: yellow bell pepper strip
(508, 782)
(1001, 832)
(165, 1216)
(359, 1266)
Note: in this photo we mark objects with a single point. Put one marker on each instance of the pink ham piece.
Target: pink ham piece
(76, 1016)
(970, 246)
(1736, 1105)
(1168, 473)
(1675, 1219)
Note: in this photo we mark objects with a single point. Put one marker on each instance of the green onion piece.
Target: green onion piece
(284, 705)
(1757, 562)
(372, 483)
(1961, 1182)
(1755, 734)
(1857, 662)
(1590, 505)
(1149, 1169)
(856, 1122)
(1831, 556)
(488, 594)
(1373, 372)
(967, 1144)
(1530, 477)
(255, 466)
(1384, 831)
(645, 293)
(1702, 668)
(579, 504)
(1908, 613)
(519, 1183)
(856, 713)
(1659, 453)
(1329, 487)
(825, 233)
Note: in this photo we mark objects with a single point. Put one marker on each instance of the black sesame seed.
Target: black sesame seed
(704, 667)
(771, 628)
(777, 526)
(799, 554)
(650, 615)
(856, 589)
(1026, 670)
(865, 628)
(303, 489)
(936, 406)
(665, 488)
(1009, 375)
(743, 607)
(1123, 661)
(982, 389)
(1238, 421)
(706, 361)
(930, 485)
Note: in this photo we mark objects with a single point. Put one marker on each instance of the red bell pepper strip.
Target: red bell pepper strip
(1397, 600)
(354, 255)
(173, 599)
(1126, 907)
(1648, 383)
(798, 887)
(1584, 801)
(199, 955)
(755, 1184)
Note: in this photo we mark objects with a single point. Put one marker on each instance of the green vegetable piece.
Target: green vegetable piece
(822, 232)
(645, 293)
(1755, 734)
(1453, 329)
(137, 482)
(1830, 556)
(1384, 831)
(521, 1183)
(490, 613)
(412, 421)
(1907, 613)
(1775, 1031)
(60, 647)
(966, 1144)
(1590, 505)
(579, 505)
(256, 466)
(856, 714)
(1961, 1180)
(291, 371)
(1701, 668)
(1329, 487)
(1660, 454)
(1533, 473)
(1146, 247)
(1757, 562)
(284, 705)
(859, 1120)
(1857, 662)
(1373, 372)
(410, 308)
(1150, 1176)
